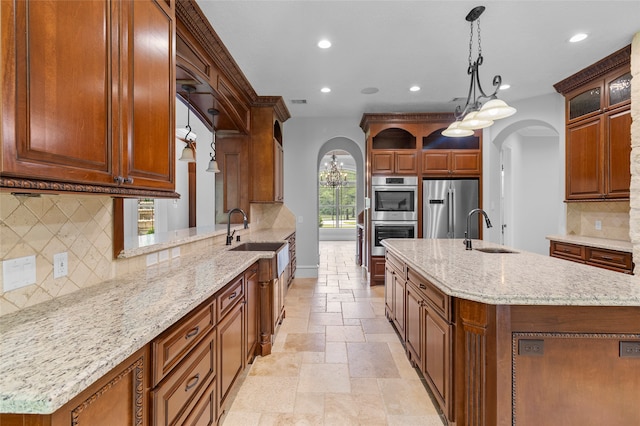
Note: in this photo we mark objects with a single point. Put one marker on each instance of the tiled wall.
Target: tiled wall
(50, 224)
(614, 218)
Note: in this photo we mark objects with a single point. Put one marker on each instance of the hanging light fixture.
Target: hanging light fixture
(186, 135)
(213, 164)
(333, 176)
(474, 115)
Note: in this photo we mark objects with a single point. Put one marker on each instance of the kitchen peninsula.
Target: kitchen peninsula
(166, 344)
(509, 337)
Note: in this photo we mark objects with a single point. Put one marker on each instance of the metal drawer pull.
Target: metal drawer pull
(192, 332)
(606, 258)
(423, 287)
(192, 382)
(233, 295)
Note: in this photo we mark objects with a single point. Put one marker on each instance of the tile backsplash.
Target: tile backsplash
(613, 217)
(45, 225)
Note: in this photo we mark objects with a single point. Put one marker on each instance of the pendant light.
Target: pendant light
(213, 164)
(186, 135)
(474, 115)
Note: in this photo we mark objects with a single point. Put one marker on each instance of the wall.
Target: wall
(613, 215)
(305, 138)
(634, 222)
(545, 112)
(50, 224)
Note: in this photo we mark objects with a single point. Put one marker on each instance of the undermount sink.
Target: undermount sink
(256, 246)
(495, 250)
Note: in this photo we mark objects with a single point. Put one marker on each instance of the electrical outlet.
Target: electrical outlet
(18, 273)
(598, 225)
(60, 267)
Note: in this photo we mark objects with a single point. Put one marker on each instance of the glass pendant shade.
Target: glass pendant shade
(454, 131)
(213, 167)
(472, 122)
(495, 109)
(188, 154)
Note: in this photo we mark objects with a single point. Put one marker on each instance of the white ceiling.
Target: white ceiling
(392, 45)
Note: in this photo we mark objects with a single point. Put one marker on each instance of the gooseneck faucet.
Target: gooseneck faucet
(467, 239)
(246, 224)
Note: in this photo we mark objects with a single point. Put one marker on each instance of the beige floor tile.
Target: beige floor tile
(324, 378)
(406, 397)
(364, 385)
(283, 364)
(376, 325)
(344, 333)
(257, 395)
(241, 418)
(336, 352)
(305, 342)
(371, 359)
(303, 419)
(356, 409)
(325, 318)
(433, 420)
(313, 357)
(309, 403)
(357, 310)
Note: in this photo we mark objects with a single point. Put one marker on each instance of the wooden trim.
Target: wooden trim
(42, 186)
(597, 70)
(118, 227)
(404, 118)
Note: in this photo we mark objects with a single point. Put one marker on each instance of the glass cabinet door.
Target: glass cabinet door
(586, 102)
(619, 89)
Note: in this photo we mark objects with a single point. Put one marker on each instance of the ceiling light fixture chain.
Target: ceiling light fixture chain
(213, 164)
(474, 114)
(188, 137)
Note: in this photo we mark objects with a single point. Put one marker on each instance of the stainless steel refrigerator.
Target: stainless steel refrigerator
(446, 204)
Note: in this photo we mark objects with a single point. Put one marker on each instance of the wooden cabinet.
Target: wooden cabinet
(451, 162)
(266, 155)
(376, 270)
(415, 325)
(395, 282)
(232, 185)
(252, 321)
(598, 129)
(394, 162)
(231, 356)
(603, 258)
(100, 122)
(291, 269)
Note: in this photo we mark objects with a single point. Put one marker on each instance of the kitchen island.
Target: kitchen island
(508, 337)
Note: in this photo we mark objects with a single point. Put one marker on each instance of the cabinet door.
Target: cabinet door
(413, 326)
(389, 286)
(278, 172)
(148, 110)
(585, 102)
(57, 115)
(435, 161)
(399, 304)
(585, 160)
(465, 162)
(382, 162)
(437, 335)
(619, 154)
(377, 270)
(405, 163)
(231, 354)
(252, 299)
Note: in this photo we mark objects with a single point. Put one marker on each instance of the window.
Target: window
(337, 200)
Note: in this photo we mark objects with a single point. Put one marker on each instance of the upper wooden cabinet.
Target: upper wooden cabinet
(444, 156)
(598, 138)
(393, 151)
(266, 152)
(88, 96)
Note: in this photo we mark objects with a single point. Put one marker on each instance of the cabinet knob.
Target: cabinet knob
(118, 179)
(128, 180)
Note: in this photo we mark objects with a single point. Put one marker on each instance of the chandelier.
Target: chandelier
(333, 176)
(474, 115)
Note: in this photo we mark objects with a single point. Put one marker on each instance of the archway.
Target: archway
(348, 146)
(528, 185)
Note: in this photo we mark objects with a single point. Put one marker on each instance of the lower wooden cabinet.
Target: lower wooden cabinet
(613, 260)
(377, 270)
(414, 330)
(252, 321)
(231, 355)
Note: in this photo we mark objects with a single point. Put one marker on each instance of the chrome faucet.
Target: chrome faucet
(467, 239)
(246, 225)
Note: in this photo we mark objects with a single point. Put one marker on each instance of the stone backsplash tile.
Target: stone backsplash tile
(613, 215)
(50, 224)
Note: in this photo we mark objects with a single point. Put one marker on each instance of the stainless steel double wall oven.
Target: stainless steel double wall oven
(394, 209)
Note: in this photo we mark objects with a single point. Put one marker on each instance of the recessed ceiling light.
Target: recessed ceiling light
(504, 86)
(578, 37)
(325, 90)
(414, 88)
(324, 44)
(369, 90)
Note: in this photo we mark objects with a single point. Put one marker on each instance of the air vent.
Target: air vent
(298, 101)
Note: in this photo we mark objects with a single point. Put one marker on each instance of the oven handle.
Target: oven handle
(450, 207)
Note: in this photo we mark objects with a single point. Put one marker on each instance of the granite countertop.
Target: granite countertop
(52, 351)
(604, 243)
(521, 278)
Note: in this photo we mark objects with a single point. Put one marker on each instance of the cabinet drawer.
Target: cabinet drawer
(610, 258)
(230, 296)
(440, 302)
(174, 344)
(175, 395)
(567, 251)
(396, 264)
(204, 412)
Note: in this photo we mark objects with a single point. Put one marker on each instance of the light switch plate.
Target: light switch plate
(598, 225)
(60, 267)
(18, 273)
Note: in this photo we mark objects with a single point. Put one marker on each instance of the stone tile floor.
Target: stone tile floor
(336, 360)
